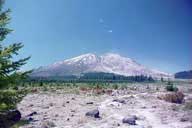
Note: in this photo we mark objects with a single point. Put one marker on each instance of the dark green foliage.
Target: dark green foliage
(115, 86)
(41, 84)
(171, 88)
(100, 76)
(9, 69)
(169, 83)
(96, 77)
(162, 80)
(9, 98)
(20, 123)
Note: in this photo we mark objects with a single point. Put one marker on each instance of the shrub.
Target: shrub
(123, 86)
(41, 84)
(115, 86)
(171, 88)
(170, 83)
(173, 97)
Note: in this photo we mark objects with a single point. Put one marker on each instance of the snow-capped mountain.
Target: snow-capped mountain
(107, 63)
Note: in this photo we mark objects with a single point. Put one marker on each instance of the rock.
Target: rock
(67, 102)
(119, 101)
(48, 124)
(30, 119)
(188, 127)
(32, 114)
(93, 113)
(9, 118)
(139, 126)
(89, 103)
(154, 106)
(184, 119)
(73, 111)
(130, 120)
(31, 105)
(144, 107)
(51, 104)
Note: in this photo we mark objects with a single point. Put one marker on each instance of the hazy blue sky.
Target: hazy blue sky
(156, 33)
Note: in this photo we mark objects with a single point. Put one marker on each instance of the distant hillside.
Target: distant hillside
(184, 75)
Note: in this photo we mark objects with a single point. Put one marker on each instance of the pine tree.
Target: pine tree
(9, 69)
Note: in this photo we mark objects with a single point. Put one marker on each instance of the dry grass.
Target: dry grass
(173, 97)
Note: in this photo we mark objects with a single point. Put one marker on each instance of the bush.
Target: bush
(115, 86)
(10, 98)
(173, 97)
(171, 88)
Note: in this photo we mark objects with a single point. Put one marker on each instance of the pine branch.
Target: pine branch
(11, 50)
(4, 18)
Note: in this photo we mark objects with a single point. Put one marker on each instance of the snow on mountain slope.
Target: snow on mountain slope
(108, 63)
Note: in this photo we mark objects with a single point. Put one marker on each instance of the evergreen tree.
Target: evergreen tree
(162, 80)
(9, 69)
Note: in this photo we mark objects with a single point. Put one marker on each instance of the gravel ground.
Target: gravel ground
(67, 110)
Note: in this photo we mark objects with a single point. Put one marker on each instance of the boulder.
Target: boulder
(89, 103)
(9, 118)
(32, 114)
(119, 101)
(131, 120)
(48, 124)
(93, 113)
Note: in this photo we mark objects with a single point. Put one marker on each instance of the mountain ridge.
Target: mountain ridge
(108, 63)
(184, 74)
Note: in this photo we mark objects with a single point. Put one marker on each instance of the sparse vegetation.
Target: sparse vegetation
(170, 87)
(188, 105)
(20, 123)
(115, 86)
(173, 97)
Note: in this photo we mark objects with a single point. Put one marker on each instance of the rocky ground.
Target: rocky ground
(128, 108)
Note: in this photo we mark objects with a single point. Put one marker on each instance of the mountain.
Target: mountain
(107, 63)
(184, 75)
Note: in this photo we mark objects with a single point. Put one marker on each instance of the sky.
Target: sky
(155, 33)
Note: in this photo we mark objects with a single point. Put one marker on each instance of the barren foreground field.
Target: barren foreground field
(136, 106)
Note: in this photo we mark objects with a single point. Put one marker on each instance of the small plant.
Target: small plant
(41, 84)
(45, 88)
(171, 88)
(20, 123)
(115, 86)
(188, 106)
(123, 87)
(170, 83)
(162, 80)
